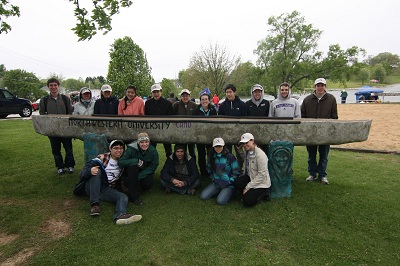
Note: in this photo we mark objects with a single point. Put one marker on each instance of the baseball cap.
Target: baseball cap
(246, 137)
(218, 142)
(106, 87)
(156, 87)
(117, 142)
(185, 91)
(320, 80)
(257, 87)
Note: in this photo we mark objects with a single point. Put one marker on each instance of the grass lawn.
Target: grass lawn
(352, 221)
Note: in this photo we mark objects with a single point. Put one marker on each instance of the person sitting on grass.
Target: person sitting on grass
(180, 173)
(223, 168)
(100, 179)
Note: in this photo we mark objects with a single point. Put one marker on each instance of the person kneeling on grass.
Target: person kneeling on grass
(180, 173)
(223, 168)
(100, 179)
(255, 184)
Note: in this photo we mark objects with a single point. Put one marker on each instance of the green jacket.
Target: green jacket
(133, 154)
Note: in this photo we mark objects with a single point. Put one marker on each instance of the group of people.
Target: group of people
(211, 158)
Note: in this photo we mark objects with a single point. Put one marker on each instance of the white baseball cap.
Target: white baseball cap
(185, 91)
(218, 142)
(320, 80)
(106, 87)
(156, 87)
(257, 87)
(246, 137)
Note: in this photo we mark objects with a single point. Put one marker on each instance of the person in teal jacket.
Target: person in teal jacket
(140, 160)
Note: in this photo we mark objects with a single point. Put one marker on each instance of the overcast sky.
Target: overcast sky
(170, 32)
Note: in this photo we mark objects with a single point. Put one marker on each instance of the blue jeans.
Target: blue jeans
(320, 168)
(180, 190)
(97, 193)
(55, 143)
(223, 194)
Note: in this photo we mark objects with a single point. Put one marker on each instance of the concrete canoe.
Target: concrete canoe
(202, 130)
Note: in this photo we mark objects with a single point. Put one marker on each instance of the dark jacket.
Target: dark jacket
(180, 109)
(133, 154)
(61, 105)
(169, 170)
(107, 106)
(102, 161)
(160, 107)
(235, 108)
(324, 108)
(261, 110)
(200, 111)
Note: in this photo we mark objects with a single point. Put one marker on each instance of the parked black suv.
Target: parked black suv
(10, 104)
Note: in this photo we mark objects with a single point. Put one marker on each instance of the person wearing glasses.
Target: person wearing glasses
(255, 184)
(285, 105)
(101, 180)
(159, 106)
(206, 108)
(140, 161)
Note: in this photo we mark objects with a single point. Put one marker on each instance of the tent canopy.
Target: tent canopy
(366, 90)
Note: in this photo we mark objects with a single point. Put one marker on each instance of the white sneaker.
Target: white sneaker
(324, 180)
(310, 178)
(128, 219)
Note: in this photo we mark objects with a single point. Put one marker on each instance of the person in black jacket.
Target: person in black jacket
(100, 179)
(107, 104)
(180, 173)
(257, 105)
(160, 106)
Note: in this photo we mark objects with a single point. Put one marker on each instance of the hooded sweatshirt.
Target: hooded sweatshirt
(84, 107)
(285, 107)
(257, 108)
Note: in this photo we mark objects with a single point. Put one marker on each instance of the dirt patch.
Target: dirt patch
(385, 129)
(19, 258)
(5, 239)
(56, 229)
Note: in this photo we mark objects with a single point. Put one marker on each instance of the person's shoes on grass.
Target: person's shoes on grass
(310, 178)
(70, 170)
(324, 180)
(127, 219)
(95, 210)
(60, 171)
(191, 191)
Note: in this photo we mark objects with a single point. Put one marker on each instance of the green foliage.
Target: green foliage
(73, 84)
(168, 86)
(128, 66)
(379, 73)
(353, 221)
(364, 75)
(22, 83)
(244, 76)
(389, 61)
(7, 10)
(2, 70)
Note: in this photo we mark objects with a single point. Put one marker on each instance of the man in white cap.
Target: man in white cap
(257, 105)
(319, 104)
(159, 106)
(107, 104)
(186, 107)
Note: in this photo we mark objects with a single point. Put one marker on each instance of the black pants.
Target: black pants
(202, 151)
(55, 143)
(167, 148)
(253, 195)
(134, 185)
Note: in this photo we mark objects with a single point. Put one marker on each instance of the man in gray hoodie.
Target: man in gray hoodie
(285, 105)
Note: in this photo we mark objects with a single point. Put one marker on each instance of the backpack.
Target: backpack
(64, 98)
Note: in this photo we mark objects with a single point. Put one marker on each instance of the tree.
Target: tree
(2, 70)
(364, 75)
(128, 66)
(213, 65)
(244, 76)
(88, 24)
(388, 60)
(73, 84)
(379, 73)
(289, 54)
(22, 83)
(168, 86)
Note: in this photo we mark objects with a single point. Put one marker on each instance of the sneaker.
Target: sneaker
(191, 191)
(70, 170)
(310, 178)
(127, 219)
(95, 210)
(324, 180)
(60, 171)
